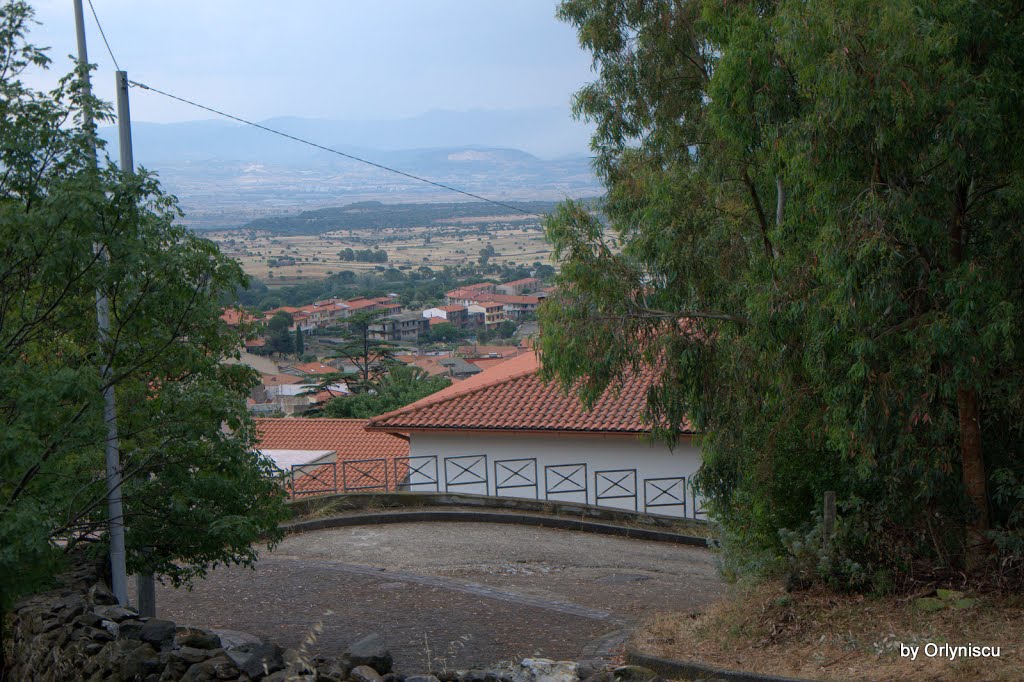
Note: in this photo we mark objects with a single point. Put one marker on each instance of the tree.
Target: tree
(195, 494)
(401, 386)
(445, 332)
(300, 343)
(279, 334)
(371, 358)
(863, 336)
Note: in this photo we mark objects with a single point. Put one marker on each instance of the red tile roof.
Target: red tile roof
(316, 368)
(349, 440)
(347, 437)
(511, 397)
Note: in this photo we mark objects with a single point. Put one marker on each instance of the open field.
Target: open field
(518, 240)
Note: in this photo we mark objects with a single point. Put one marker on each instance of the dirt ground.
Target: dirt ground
(450, 595)
(820, 635)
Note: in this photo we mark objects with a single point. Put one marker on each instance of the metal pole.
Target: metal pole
(146, 592)
(118, 574)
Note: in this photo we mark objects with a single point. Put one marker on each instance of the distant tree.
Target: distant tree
(446, 332)
(279, 335)
(300, 342)
(401, 386)
(370, 357)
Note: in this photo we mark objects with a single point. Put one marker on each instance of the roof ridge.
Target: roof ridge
(427, 402)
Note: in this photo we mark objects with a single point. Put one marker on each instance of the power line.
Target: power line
(333, 151)
(104, 36)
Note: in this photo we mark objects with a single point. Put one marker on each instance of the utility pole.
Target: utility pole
(118, 573)
(146, 593)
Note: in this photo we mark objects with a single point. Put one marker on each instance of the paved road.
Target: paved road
(450, 594)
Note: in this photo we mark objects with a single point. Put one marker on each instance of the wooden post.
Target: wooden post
(829, 525)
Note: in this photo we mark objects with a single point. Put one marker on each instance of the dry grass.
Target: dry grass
(824, 636)
(448, 244)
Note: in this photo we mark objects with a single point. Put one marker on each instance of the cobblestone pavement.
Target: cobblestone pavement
(450, 594)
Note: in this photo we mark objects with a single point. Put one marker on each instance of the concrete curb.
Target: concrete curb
(493, 517)
(689, 670)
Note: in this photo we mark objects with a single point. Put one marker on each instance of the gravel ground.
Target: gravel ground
(458, 594)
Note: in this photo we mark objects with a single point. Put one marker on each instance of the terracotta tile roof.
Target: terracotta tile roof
(280, 379)
(347, 437)
(283, 309)
(316, 368)
(235, 316)
(349, 440)
(508, 298)
(511, 396)
(451, 308)
(525, 280)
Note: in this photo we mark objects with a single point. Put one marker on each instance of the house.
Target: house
(333, 455)
(454, 314)
(505, 432)
(493, 312)
(519, 286)
(400, 327)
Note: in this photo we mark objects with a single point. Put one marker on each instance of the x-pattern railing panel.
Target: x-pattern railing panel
(314, 479)
(515, 473)
(416, 470)
(565, 479)
(465, 470)
(615, 484)
(669, 491)
(364, 474)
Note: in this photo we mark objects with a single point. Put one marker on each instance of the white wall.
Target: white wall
(561, 480)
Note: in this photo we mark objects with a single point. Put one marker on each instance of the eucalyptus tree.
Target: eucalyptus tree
(812, 228)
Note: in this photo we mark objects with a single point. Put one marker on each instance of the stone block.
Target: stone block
(370, 651)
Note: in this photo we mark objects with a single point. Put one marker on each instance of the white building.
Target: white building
(504, 432)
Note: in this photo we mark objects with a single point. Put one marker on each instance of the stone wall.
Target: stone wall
(77, 631)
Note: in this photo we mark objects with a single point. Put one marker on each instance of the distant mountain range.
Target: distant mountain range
(227, 173)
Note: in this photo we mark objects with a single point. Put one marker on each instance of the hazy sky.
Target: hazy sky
(339, 59)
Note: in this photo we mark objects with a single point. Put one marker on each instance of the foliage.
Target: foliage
(420, 288)
(371, 358)
(401, 386)
(865, 335)
(195, 494)
(300, 343)
(373, 215)
(445, 332)
(279, 335)
(363, 255)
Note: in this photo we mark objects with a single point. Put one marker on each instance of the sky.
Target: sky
(335, 59)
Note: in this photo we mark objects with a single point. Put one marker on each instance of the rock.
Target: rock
(196, 638)
(602, 676)
(393, 677)
(634, 673)
(114, 613)
(101, 594)
(133, 663)
(189, 655)
(370, 651)
(257, 659)
(588, 668)
(364, 673)
(110, 626)
(545, 670)
(87, 619)
(421, 678)
(217, 668)
(333, 670)
(158, 632)
(129, 629)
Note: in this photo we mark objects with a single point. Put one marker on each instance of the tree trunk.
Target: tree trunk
(973, 463)
(971, 455)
